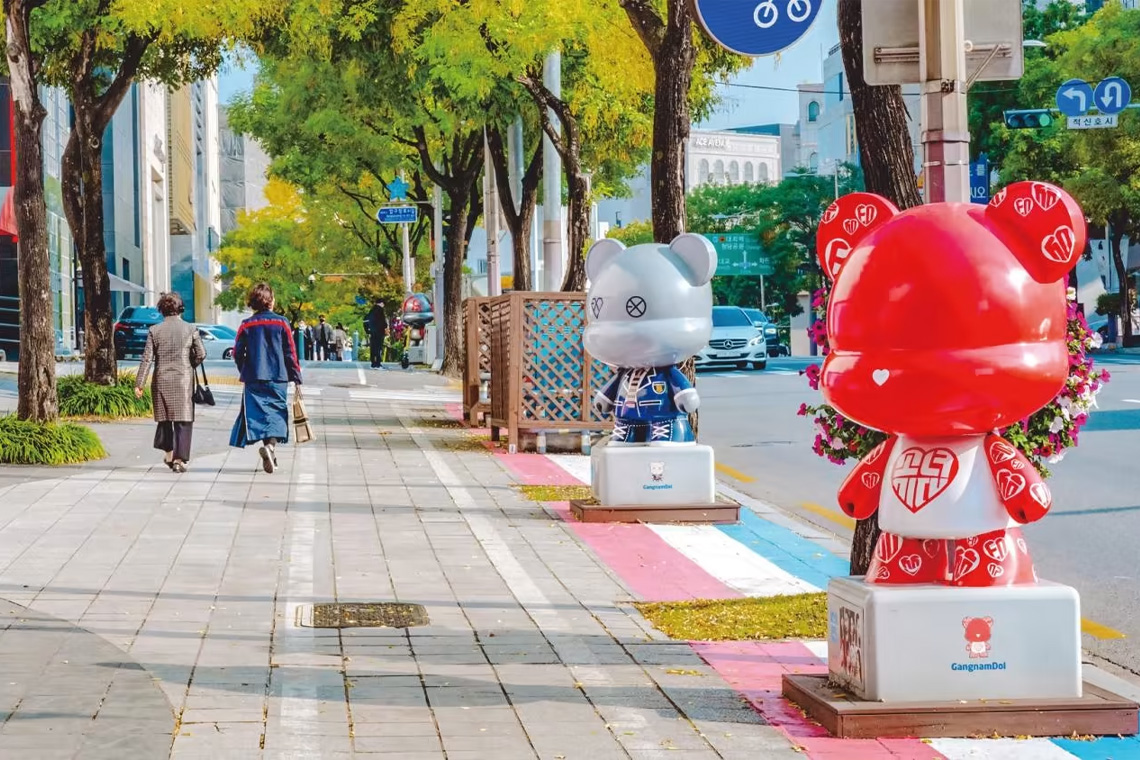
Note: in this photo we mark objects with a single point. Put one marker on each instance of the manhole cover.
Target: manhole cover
(362, 615)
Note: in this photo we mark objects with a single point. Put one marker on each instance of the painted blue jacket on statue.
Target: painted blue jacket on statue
(264, 350)
(647, 405)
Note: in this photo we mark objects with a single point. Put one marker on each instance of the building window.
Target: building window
(813, 111)
(702, 173)
(749, 176)
(718, 173)
(763, 172)
(813, 162)
(733, 173)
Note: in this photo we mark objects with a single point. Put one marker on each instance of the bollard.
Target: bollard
(585, 443)
(540, 442)
(300, 345)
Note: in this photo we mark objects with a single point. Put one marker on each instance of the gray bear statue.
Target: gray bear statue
(649, 308)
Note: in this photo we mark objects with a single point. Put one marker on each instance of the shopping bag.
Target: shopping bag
(302, 430)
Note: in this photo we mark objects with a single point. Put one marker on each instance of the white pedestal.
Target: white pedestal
(653, 475)
(938, 643)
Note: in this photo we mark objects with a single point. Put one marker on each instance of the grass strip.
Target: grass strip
(770, 618)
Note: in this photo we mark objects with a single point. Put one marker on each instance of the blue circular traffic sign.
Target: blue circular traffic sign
(1113, 95)
(1075, 97)
(757, 27)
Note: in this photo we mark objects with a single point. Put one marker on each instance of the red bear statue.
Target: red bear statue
(947, 322)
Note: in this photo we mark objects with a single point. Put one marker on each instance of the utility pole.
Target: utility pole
(437, 239)
(409, 266)
(491, 221)
(945, 118)
(552, 185)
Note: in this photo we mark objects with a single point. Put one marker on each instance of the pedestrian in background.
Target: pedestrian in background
(376, 325)
(324, 338)
(339, 341)
(266, 358)
(310, 345)
(174, 349)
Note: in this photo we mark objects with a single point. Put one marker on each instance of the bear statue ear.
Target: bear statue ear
(698, 254)
(600, 254)
(966, 622)
(845, 223)
(1046, 225)
(989, 621)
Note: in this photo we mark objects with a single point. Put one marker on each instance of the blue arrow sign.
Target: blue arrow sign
(757, 27)
(397, 214)
(398, 189)
(1113, 95)
(1075, 97)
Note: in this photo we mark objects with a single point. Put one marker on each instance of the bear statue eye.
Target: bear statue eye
(635, 307)
(596, 307)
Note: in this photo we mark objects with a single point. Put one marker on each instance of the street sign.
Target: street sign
(1100, 121)
(1113, 95)
(757, 27)
(980, 180)
(398, 189)
(1075, 97)
(397, 215)
(738, 253)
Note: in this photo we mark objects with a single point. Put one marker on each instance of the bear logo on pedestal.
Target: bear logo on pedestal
(650, 308)
(978, 634)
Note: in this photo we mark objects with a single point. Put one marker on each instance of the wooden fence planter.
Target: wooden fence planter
(477, 365)
(542, 379)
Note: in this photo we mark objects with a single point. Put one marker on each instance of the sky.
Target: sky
(740, 106)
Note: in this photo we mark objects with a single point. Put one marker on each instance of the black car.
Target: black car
(132, 328)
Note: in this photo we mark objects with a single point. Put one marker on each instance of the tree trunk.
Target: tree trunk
(887, 158)
(885, 150)
(38, 400)
(460, 199)
(82, 188)
(673, 64)
(1125, 283)
(578, 208)
(518, 222)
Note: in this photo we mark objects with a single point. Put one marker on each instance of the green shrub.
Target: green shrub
(23, 442)
(81, 399)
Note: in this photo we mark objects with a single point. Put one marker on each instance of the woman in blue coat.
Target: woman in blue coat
(266, 357)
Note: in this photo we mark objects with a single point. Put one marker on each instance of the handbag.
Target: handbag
(202, 393)
(302, 430)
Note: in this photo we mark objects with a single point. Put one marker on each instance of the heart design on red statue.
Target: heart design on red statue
(850, 226)
(1045, 196)
(836, 252)
(921, 475)
(1017, 464)
(995, 570)
(965, 561)
(911, 564)
(1021, 546)
(1010, 484)
(888, 547)
(1023, 206)
(870, 479)
(1060, 246)
(866, 214)
(1041, 495)
(1002, 451)
(999, 198)
(830, 214)
(930, 546)
(875, 454)
(882, 574)
(996, 549)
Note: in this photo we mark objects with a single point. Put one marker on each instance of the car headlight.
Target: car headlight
(769, 330)
(757, 341)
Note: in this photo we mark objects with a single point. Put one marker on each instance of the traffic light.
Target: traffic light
(1036, 118)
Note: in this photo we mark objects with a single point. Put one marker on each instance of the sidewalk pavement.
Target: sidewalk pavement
(149, 615)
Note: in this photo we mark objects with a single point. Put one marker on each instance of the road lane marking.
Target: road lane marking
(830, 514)
(734, 473)
(1098, 631)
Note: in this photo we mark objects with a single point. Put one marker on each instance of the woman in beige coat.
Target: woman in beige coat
(174, 349)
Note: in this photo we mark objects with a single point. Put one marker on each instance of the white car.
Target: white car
(218, 344)
(735, 340)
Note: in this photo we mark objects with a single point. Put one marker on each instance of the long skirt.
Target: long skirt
(175, 437)
(264, 414)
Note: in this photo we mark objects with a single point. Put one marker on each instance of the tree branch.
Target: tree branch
(430, 169)
(108, 102)
(647, 23)
(546, 102)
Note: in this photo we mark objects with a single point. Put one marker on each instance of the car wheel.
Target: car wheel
(759, 365)
(228, 354)
(742, 365)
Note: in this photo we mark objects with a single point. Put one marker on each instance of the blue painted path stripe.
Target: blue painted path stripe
(786, 549)
(1105, 748)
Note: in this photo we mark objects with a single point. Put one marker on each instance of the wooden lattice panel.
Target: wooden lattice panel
(499, 310)
(477, 364)
(553, 369)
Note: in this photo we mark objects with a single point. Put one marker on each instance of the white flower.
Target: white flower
(1071, 294)
(1057, 426)
(837, 443)
(1056, 457)
(1096, 340)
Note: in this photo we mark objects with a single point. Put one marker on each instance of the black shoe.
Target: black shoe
(178, 466)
